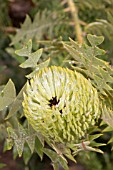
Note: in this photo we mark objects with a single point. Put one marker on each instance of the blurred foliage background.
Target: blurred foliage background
(47, 22)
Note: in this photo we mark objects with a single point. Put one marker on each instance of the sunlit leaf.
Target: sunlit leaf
(26, 50)
(20, 137)
(19, 142)
(17, 103)
(7, 95)
(85, 56)
(32, 60)
(38, 67)
(89, 148)
(95, 144)
(27, 136)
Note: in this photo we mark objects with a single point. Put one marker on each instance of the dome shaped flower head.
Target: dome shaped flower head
(61, 104)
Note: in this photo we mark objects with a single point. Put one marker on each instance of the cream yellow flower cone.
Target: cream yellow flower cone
(61, 104)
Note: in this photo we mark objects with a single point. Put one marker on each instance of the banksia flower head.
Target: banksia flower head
(61, 104)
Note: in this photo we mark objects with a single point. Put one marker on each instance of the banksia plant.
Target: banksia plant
(61, 104)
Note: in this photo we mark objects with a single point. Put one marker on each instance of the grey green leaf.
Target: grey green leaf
(7, 95)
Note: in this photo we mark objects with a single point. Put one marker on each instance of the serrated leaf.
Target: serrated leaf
(92, 137)
(56, 158)
(69, 156)
(20, 146)
(107, 116)
(73, 52)
(11, 51)
(63, 162)
(102, 123)
(15, 153)
(7, 95)
(102, 27)
(32, 60)
(44, 64)
(11, 133)
(99, 71)
(41, 138)
(26, 50)
(26, 154)
(94, 129)
(28, 136)
(21, 34)
(98, 51)
(31, 142)
(89, 148)
(95, 144)
(38, 67)
(110, 141)
(55, 166)
(63, 149)
(21, 137)
(102, 85)
(29, 30)
(105, 75)
(51, 154)
(39, 148)
(108, 129)
(19, 142)
(17, 103)
(95, 40)
(75, 44)
(9, 144)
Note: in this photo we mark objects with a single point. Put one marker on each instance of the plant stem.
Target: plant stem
(74, 13)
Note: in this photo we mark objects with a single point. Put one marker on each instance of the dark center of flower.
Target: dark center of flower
(53, 101)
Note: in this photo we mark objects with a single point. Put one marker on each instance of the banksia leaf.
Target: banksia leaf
(7, 95)
(99, 71)
(95, 40)
(17, 103)
(56, 158)
(32, 60)
(20, 137)
(26, 50)
(43, 21)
